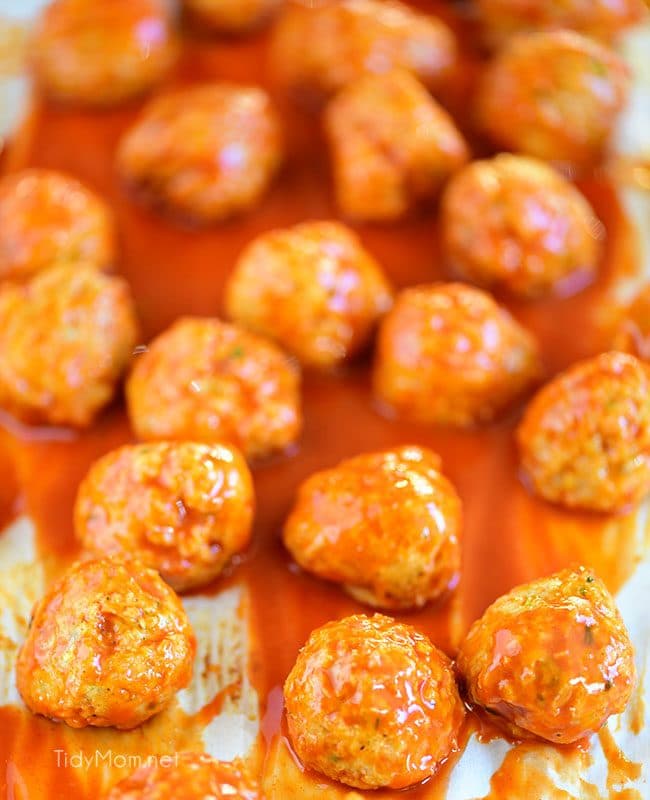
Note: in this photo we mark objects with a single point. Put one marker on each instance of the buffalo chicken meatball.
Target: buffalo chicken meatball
(190, 776)
(553, 95)
(205, 152)
(392, 146)
(385, 525)
(108, 645)
(551, 658)
(318, 48)
(585, 437)
(47, 218)
(66, 337)
(184, 509)
(633, 331)
(102, 52)
(372, 703)
(448, 354)
(231, 16)
(515, 223)
(208, 381)
(313, 288)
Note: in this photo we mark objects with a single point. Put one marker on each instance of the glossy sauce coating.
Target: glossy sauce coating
(633, 332)
(231, 16)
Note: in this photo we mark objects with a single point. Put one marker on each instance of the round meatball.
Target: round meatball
(392, 146)
(318, 48)
(205, 152)
(102, 52)
(372, 703)
(385, 525)
(184, 509)
(553, 95)
(66, 337)
(231, 16)
(551, 658)
(108, 645)
(633, 332)
(313, 288)
(208, 381)
(47, 218)
(188, 776)
(585, 438)
(514, 223)
(448, 354)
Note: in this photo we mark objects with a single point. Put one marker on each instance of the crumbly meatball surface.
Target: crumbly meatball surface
(313, 288)
(386, 525)
(207, 381)
(231, 16)
(66, 337)
(205, 152)
(584, 440)
(392, 146)
(372, 703)
(108, 645)
(48, 218)
(553, 95)
(551, 658)
(448, 354)
(632, 333)
(184, 509)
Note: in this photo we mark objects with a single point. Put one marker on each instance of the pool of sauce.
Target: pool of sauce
(509, 536)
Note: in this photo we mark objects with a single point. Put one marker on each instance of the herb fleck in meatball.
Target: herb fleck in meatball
(385, 525)
(392, 146)
(313, 288)
(108, 645)
(448, 354)
(585, 437)
(102, 52)
(231, 16)
(551, 658)
(633, 332)
(515, 223)
(66, 337)
(47, 218)
(205, 152)
(553, 95)
(205, 380)
(184, 509)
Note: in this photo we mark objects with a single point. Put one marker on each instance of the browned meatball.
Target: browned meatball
(66, 337)
(184, 509)
(448, 354)
(102, 52)
(551, 658)
(585, 437)
(313, 288)
(392, 146)
(231, 16)
(385, 525)
(633, 331)
(47, 218)
(514, 223)
(205, 380)
(108, 645)
(372, 703)
(205, 152)
(553, 95)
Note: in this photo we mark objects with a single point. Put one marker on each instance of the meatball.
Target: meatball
(102, 52)
(205, 153)
(231, 16)
(448, 354)
(514, 223)
(385, 525)
(313, 288)
(392, 146)
(184, 509)
(206, 380)
(551, 658)
(108, 645)
(633, 332)
(47, 218)
(372, 703)
(318, 48)
(189, 776)
(585, 438)
(66, 337)
(553, 95)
